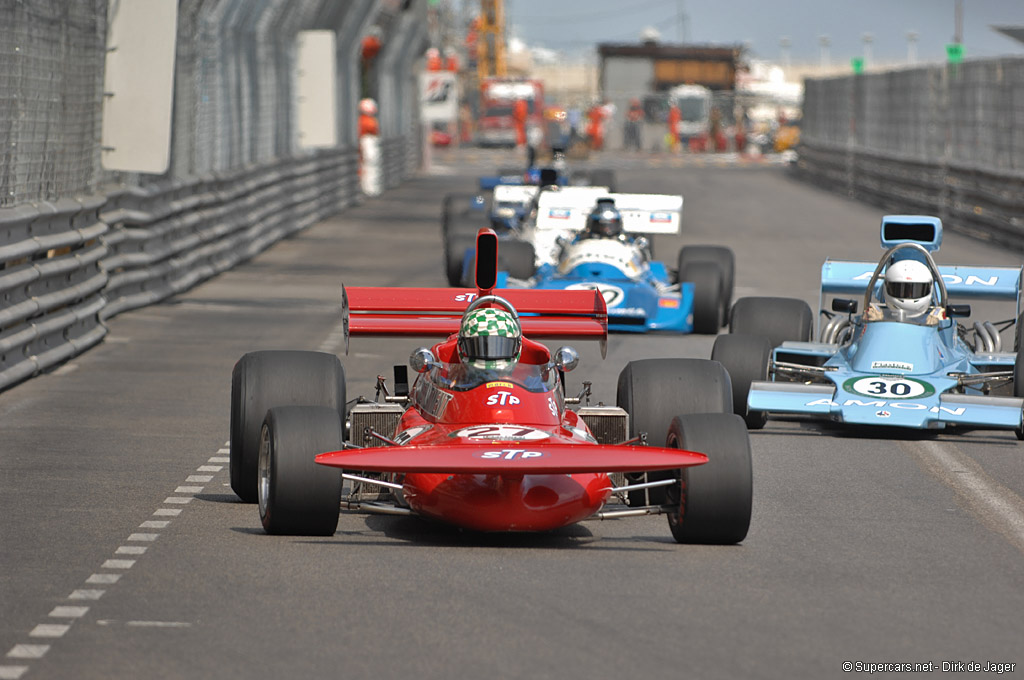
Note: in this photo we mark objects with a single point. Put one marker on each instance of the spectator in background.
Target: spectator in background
(534, 140)
(575, 119)
(465, 124)
(674, 118)
(369, 148)
(368, 118)
(631, 135)
(519, 113)
(595, 127)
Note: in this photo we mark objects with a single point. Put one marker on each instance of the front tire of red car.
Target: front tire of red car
(713, 501)
(297, 496)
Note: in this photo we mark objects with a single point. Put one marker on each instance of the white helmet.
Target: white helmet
(368, 107)
(908, 288)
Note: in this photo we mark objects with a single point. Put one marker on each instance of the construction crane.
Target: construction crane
(491, 40)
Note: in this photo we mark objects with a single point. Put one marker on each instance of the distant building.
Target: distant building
(648, 70)
(656, 67)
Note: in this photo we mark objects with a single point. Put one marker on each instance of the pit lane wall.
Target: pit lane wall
(80, 243)
(945, 140)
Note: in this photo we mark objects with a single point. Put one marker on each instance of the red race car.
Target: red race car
(486, 438)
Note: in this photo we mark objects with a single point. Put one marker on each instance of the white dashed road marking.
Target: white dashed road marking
(28, 651)
(89, 594)
(57, 630)
(130, 550)
(49, 630)
(68, 612)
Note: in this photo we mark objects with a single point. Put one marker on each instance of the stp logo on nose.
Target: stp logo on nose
(511, 454)
(502, 398)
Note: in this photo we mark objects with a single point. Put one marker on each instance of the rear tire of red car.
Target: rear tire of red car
(746, 358)
(720, 255)
(263, 380)
(297, 496)
(706, 278)
(778, 319)
(713, 500)
(455, 247)
(654, 391)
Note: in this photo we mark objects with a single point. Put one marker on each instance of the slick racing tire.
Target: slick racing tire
(603, 178)
(296, 495)
(746, 358)
(720, 255)
(455, 247)
(778, 319)
(264, 380)
(654, 391)
(706, 278)
(713, 501)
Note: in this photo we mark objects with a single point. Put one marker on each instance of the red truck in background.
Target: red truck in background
(498, 96)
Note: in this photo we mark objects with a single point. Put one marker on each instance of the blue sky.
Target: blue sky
(575, 25)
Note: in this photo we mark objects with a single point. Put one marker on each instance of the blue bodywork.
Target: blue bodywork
(899, 373)
(634, 304)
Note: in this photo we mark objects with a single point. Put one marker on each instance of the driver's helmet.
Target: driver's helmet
(604, 222)
(490, 339)
(908, 288)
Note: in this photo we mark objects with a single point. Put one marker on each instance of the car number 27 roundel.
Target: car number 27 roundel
(501, 433)
(888, 387)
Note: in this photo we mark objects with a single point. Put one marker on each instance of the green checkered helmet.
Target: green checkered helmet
(490, 339)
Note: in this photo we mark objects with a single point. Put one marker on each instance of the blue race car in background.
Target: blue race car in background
(504, 203)
(641, 293)
(877, 367)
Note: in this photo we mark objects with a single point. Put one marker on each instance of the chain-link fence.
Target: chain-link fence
(51, 77)
(945, 140)
(79, 244)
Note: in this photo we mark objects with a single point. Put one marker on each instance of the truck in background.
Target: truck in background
(496, 125)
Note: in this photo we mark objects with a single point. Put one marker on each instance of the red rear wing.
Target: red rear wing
(548, 314)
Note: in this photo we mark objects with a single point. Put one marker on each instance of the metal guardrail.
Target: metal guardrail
(51, 284)
(169, 237)
(985, 202)
(65, 267)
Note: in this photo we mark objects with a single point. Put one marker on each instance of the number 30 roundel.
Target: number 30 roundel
(889, 388)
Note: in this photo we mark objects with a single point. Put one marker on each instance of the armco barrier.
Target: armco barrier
(170, 237)
(987, 203)
(51, 284)
(65, 267)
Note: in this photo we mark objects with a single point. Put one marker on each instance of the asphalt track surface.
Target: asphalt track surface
(124, 554)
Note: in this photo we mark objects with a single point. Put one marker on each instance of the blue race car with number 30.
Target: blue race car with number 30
(897, 355)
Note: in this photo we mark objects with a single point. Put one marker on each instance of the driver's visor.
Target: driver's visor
(909, 290)
(489, 347)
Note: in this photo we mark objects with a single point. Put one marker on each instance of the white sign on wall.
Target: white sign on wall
(315, 104)
(139, 86)
(439, 96)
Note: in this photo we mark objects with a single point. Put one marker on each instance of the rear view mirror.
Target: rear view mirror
(961, 311)
(421, 360)
(566, 358)
(844, 305)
